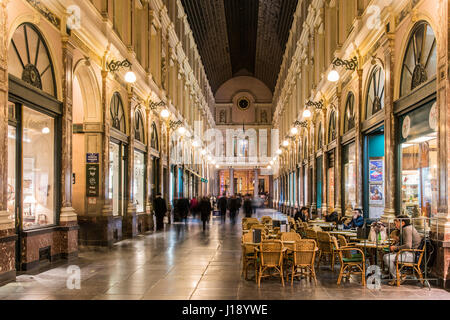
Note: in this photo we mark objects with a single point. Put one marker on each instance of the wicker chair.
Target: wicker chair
(350, 264)
(311, 234)
(304, 255)
(264, 229)
(271, 257)
(326, 248)
(249, 255)
(248, 222)
(292, 224)
(414, 267)
(290, 236)
(266, 220)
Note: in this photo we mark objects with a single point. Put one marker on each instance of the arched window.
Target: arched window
(419, 63)
(29, 59)
(349, 115)
(117, 113)
(154, 137)
(332, 127)
(139, 131)
(319, 136)
(375, 92)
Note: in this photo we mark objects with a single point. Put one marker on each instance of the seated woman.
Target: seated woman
(357, 220)
(302, 214)
(409, 239)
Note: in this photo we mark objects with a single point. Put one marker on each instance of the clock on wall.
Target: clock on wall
(243, 103)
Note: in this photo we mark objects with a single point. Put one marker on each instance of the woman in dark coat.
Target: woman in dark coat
(205, 211)
(248, 207)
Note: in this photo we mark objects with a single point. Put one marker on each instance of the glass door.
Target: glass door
(117, 177)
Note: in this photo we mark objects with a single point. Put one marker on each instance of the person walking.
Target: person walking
(233, 206)
(193, 207)
(247, 206)
(205, 211)
(222, 204)
(184, 209)
(160, 208)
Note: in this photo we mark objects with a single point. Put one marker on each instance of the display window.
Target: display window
(419, 162)
(139, 181)
(349, 152)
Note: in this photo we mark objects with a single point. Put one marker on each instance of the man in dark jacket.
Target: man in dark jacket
(205, 211)
(222, 204)
(233, 206)
(184, 208)
(247, 206)
(160, 208)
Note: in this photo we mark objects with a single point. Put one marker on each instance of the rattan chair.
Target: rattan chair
(249, 256)
(303, 255)
(326, 248)
(290, 236)
(350, 264)
(264, 229)
(413, 267)
(271, 257)
(266, 220)
(248, 222)
(311, 234)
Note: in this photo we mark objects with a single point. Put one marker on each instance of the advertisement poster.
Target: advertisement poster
(376, 194)
(376, 170)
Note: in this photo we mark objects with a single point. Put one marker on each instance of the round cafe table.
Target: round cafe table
(373, 248)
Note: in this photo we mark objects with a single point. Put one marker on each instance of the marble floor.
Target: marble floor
(185, 263)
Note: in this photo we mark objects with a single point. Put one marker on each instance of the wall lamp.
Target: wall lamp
(155, 105)
(114, 65)
(175, 124)
(303, 124)
(351, 64)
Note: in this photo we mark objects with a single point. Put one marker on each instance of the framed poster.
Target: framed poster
(376, 170)
(376, 195)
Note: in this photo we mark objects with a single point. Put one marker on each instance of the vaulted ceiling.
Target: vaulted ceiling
(241, 37)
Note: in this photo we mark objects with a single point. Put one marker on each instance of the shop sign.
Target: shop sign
(92, 158)
(92, 179)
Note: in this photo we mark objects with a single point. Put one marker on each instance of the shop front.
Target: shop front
(34, 150)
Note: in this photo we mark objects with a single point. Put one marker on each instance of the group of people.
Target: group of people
(233, 205)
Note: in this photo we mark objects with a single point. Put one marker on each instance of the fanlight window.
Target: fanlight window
(375, 92)
(154, 137)
(332, 127)
(117, 113)
(349, 116)
(319, 137)
(139, 132)
(419, 63)
(29, 59)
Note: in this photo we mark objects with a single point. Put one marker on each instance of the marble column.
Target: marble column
(8, 235)
(256, 185)
(324, 183)
(390, 147)
(338, 159)
(231, 172)
(130, 223)
(359, 147)
(148, 175)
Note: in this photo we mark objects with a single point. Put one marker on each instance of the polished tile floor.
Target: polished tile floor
(182, 263)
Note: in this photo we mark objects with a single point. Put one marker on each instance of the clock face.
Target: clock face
(243, 103)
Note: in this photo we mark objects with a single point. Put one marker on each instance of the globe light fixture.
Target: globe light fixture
(209, 158)
(182, 130)
(294, 130)
(165, 113)
(285, 143)
(217, 166)
(46, 130)
(333, 76)
(279, 151)
(130, 77)
(269, 167)
(271, 162)
(203, 152)
(306, 113)
(195, 144)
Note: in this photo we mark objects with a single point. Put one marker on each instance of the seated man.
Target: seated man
(409, 239)
(357, 220)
